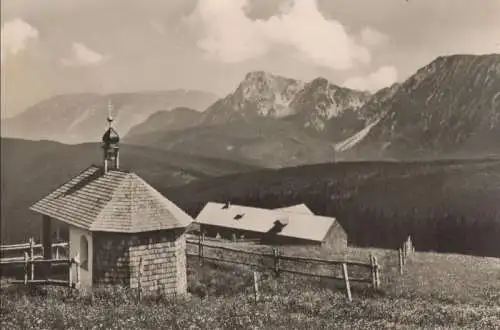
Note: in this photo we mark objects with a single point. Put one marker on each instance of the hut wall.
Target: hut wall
(76, 236)
(336, 239)
(227, 233)
(117, 258)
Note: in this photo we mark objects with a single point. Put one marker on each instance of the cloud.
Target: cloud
(383, 77)
(15, 35)
(372, 37)
(230, 36)
(157, 26)
(83, 56)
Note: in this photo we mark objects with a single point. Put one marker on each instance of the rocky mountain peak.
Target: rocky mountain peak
(258, 75)
(260, 94)
(321, 101)
(261, 84)
(319, 82)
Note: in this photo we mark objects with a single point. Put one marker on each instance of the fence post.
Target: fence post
(256, 285)
(372, 263)
(377, 272)
(25, 268)
(346, 280)
(77, 273)
(57, 252)
(139, 275)
(200, 248)
(400, 261)
(404, 253)
(32, 257)
(276, 254)
(70, 272)
(408, 246)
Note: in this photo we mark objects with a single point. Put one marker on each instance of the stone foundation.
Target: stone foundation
(162, 254)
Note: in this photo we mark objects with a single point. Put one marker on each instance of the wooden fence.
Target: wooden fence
(405, 251)
(58, 249)
(224, 240)
(280, 263)
(30, 259)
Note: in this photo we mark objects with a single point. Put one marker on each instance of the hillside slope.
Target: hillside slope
(163, 121)
(263, 142)
(31, 169)
(77, 118)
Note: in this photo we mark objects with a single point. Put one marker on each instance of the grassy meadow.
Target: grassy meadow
(436, 291)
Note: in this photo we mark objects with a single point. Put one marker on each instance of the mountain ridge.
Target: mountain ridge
(450, 107)
(80, 117)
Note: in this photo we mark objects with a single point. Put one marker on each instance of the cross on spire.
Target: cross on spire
(110, 110)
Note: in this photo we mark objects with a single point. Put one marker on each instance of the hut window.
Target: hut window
(84, 252)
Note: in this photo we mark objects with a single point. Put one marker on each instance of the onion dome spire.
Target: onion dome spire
(110, 143)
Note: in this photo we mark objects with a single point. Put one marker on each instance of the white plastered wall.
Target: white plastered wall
(75, 237)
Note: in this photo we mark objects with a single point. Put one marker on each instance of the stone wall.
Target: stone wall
(162, 255)
(111, 259)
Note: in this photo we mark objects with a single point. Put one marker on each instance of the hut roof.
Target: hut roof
(115, 201)
(299, 225)
(299, 208)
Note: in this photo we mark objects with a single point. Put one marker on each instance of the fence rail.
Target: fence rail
(24, 246)
(280, 263)
(30, 247)
(30, 259)
(225, 240)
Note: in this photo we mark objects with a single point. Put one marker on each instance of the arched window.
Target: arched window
(84, 252)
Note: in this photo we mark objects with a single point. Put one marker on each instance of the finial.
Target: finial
(110, 109)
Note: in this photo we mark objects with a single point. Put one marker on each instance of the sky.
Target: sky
(104, 46)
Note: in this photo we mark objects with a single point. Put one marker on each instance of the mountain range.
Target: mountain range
(269, 121)
(448, 108)
(78, 118)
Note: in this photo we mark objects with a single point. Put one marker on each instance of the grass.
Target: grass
(436, 291)
(458, 278)
(311, 309)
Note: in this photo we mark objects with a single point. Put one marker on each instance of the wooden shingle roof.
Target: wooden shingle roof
(116, 201)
